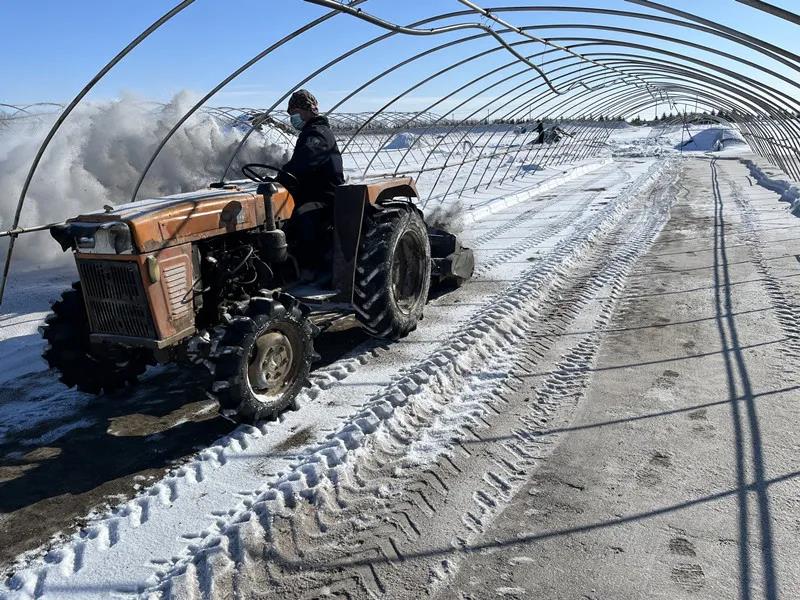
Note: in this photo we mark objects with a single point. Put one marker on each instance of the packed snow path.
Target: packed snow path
(678, 476)
(404, 459)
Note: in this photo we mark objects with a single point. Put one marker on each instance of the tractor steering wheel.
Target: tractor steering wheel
(249, 171)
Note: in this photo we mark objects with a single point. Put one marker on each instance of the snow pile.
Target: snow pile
(674, 139)
(636, 142)
(401, 141)
(631, 132)
(776, 180)
(99, 153)
(712, 139)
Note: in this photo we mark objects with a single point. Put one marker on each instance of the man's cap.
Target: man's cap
(305, 100)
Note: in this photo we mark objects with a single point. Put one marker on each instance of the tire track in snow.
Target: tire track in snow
(575, 209)
(561, 222)
(787, 312)
(508, 463)
(226, 560)
(576, 322)
(547, 201)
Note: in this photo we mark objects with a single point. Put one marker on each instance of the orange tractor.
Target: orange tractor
(210, 277)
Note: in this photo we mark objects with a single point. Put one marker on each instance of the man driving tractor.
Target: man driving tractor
(311, 175)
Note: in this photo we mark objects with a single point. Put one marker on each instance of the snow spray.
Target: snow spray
(447, 217)
(98, 154)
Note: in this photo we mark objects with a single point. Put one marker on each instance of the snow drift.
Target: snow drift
(99, 153)
(660, 141)
(713, 139)
(776, 180)
(401, 141)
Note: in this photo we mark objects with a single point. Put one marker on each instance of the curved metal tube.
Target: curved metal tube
(773, 10)
(359, 14)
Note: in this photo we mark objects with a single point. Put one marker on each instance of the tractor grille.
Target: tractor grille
(115, 298)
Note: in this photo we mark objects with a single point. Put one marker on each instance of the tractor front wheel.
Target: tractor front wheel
(262, 358)
(90, 368)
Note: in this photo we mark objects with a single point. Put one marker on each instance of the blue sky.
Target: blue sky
(51, 48)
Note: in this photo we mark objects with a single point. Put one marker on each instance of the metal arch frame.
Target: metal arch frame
(650, 49)
(688, 21)
(399, 29)
(482, 107)
(478, 78)
(461, 13)
(717, 101)
(424, 53)
(773, 10)
(742, 79)
(341, 57)
(62, 117)
(765, 131)
(549, 8)
(743, 38)
(658, 36)
(617, 107)
(714, 100)
(692, 96)
(720, 100)
(457, 41)
(731, 57)
(775, 120)
(511, 114)
(396, 30)
(576, 84)
(359, 14)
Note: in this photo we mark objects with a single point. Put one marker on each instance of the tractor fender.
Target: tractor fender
(398, 201)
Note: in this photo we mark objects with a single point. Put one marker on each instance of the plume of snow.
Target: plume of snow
(98, 155)
(447, 216)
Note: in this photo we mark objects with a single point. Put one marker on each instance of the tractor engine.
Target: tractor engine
(151, 271)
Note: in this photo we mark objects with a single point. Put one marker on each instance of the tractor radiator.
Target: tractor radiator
(115, 298)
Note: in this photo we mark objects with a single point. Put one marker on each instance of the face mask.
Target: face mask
(297, 121)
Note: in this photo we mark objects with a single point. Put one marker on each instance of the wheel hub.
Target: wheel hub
(271, 366)
(406, 275)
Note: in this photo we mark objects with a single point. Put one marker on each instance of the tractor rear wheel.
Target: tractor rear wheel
(262, 358)
(393, 273)
(78, 362)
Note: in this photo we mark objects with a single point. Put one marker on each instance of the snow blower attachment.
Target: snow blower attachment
(213, 278)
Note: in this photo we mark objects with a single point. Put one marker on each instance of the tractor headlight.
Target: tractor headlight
(120, 237)
(94, 238)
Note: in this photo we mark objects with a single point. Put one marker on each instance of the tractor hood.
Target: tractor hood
(153, 224)
(152, 206)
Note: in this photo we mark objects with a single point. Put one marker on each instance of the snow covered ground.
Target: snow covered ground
(282, 506)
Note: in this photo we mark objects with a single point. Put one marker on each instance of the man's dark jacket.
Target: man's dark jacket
(316, 163)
